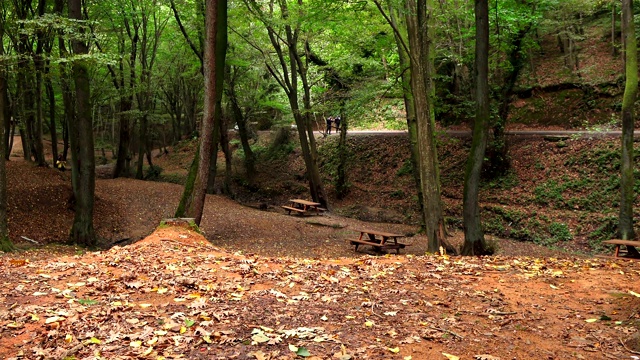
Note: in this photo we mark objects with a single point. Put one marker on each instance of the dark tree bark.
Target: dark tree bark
(81, 138)
(67, 101)
(474, 243)
(220, 131)
(627, 196)
(195, 201)
(39, 70)
(239, 119)
(5, 242)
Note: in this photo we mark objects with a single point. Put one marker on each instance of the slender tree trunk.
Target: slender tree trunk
(236, 111)
(51, 96)
(142, 145)
(195, 207)
(82, 148)
(342, 187)
(9, 128)
(614, 49)
(627, 196)
(473, 236)
(65, 86)
(37, 131)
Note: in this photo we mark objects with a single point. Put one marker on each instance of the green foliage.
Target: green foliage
(607, 230)
(559, 232)
(406, 168)
(6, 245)
(153, 172)
(504, 182)
(397, 194)
(87, 302)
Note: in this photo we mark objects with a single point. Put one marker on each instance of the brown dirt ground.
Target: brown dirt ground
(174, 295)
(257, 286)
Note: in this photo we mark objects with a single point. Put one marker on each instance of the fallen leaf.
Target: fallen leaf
(394, 350)
(451, 357)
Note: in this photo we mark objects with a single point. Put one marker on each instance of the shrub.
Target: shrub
(153, 172)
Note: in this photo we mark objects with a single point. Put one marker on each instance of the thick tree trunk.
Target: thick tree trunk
(220, 131)
(627, 196)
(474, 243)
(409, 105)
(421, 45)
(195, 207)
(81, 137)
(5, 242)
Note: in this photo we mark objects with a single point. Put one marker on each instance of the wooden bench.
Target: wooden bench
(383, 241)
(380, 246)
(619, 243)
(291, 208)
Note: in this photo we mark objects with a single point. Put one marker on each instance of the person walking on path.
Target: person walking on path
(329, 121)
(337, 122)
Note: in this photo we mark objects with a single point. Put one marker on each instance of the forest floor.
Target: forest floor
(259, 284)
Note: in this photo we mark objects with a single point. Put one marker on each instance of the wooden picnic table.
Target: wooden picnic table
(619, 243)
(302, 206)
(380, 240)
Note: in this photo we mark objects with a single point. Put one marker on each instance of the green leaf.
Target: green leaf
(87, 302)
(605, 318)
(302, 351)
(189, 322)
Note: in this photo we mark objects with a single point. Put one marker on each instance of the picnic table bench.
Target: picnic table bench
(302, 207)
(619, 243)
(379, 240)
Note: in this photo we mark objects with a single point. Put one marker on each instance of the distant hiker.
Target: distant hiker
(337, 121)
(60, 163)
(329, 121)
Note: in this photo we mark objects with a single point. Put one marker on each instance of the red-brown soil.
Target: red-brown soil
(265, 280)
(176, 295)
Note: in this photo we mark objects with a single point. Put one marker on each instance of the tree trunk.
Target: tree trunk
(412, 127)
(142, 145)
(37, 130)
(238, 117)
(8, 128)
(421, 44)
(67, 101)
(81, 138)
(51, 96)
(614, 49)
(5, 242)
(474, 243)
(220, 131)
(195, 207)
(627, 196)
